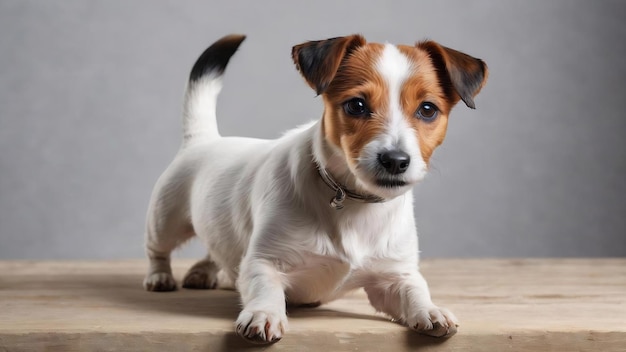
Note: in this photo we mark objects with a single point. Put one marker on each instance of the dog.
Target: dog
(325, 209)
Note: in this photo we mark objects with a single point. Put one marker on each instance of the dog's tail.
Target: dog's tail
(205, 83)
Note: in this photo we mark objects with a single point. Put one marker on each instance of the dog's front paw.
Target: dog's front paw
(261, 327)
(434, 321)
(159, 282)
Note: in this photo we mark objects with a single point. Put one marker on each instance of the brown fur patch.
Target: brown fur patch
(359, 77)
(356, 78)
(423, 86)
(344, 68)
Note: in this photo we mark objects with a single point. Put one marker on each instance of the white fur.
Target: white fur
(199, 120)
(395, 68)
(263, 212)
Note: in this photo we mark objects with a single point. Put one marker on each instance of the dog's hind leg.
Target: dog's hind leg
(159, 249)
(202, 275)
(167, 228)
(159, 276)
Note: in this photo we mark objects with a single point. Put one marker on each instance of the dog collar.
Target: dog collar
(341, 193)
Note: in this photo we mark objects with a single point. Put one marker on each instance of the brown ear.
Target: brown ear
(461, 75)
(318, 61)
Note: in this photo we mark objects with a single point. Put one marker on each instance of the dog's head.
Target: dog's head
(387, 106)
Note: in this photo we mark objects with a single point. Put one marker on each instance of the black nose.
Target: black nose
(395, 161)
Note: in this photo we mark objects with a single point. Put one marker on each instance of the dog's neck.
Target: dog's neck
(334, 171)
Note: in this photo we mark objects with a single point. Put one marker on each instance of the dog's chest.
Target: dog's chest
(363, 236)
(335, 261)
(323, 278)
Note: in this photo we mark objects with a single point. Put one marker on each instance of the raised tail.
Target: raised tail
(205, 83)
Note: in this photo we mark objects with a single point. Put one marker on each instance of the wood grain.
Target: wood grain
(503, 305)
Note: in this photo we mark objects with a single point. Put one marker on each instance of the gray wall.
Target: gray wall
(90, 97)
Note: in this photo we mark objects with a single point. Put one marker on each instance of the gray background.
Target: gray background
(91, 91)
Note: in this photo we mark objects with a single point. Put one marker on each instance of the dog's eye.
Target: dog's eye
(427, 112)
(356, 107)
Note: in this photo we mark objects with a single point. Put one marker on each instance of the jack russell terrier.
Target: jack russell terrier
(325, 209)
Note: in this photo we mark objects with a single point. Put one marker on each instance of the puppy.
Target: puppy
(328, 207)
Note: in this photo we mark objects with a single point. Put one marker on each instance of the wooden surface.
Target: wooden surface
(503, 305)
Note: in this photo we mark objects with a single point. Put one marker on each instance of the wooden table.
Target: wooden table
(503, 305)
